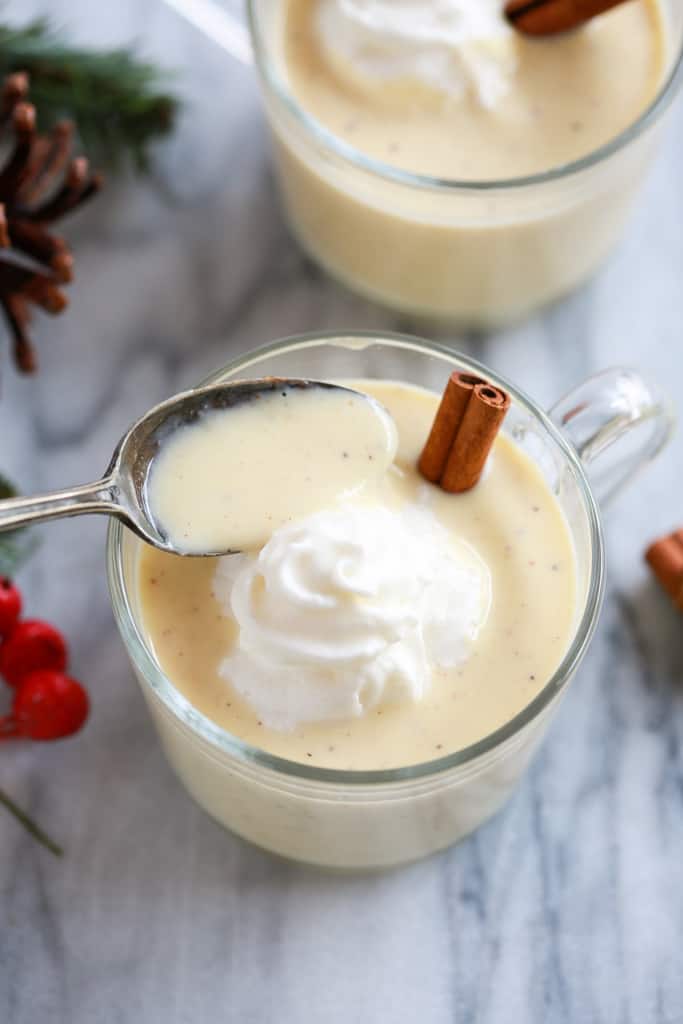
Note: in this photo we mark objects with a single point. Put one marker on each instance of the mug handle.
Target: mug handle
(618, 424)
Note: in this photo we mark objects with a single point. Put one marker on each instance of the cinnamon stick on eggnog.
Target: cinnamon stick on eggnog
(466, 424)
(446, 424)
(550, 17)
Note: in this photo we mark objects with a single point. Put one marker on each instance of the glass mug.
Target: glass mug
(378, 819)
(478, 253)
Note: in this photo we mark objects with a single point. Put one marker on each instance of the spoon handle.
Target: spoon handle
(72, 501)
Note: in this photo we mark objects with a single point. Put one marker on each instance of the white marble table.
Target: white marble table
(569, 906)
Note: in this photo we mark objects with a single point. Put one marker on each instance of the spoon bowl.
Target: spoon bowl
(123, 491)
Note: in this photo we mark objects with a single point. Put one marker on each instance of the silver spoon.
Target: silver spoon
(122, 491)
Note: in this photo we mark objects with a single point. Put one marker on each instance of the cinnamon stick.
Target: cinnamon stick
(550, 17)
(482, 420)
(446, 424)
(665, 558)
(465, 426)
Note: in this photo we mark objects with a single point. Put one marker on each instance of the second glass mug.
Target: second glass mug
(480, 253)
(356, 820)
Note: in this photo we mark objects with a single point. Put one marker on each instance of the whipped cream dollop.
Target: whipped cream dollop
(349, 609)
(450, 47)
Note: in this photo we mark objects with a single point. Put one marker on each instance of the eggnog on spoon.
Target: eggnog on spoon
(436, 160)
(227, 479)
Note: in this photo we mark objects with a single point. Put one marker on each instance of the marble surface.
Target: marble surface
(568, 907)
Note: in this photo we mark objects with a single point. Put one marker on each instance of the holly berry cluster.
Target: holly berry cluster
(47, 704)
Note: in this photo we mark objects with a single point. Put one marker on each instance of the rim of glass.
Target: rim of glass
(343, 149)
(191, 717)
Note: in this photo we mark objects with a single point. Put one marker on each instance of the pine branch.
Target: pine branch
(114, 98)
(16, 546)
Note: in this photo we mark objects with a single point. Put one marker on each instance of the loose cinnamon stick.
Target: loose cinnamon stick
(665, 558)
(550, 17)
(464, 429)
(482, 420)
(446, 424)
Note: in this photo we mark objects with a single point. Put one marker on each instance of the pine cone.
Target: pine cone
(40, 183)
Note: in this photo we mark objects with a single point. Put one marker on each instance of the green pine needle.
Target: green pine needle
(16, 546)
(114, 98)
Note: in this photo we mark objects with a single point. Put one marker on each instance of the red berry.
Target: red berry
(31, 645)
(10, 606)
(47, 706)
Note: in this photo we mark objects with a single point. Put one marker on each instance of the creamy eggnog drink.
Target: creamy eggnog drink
(394, 626)
(411, 128)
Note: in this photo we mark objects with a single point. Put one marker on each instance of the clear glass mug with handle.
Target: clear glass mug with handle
(478, 253)
(606, 429)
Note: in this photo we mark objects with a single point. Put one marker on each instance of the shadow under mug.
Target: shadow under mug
(607, 428)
